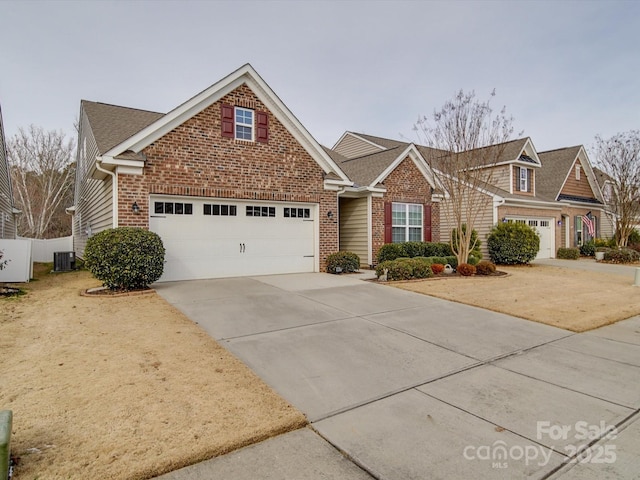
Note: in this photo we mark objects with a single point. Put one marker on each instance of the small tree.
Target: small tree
(456, 135)
(42, 176)
(513, 243)
(619, 158)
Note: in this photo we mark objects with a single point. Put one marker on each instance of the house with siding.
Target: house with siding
(235, 185)
(544, 191)
(8, 213)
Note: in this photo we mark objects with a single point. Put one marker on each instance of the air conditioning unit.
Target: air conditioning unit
(64, 261)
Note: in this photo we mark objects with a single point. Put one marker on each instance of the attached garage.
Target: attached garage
(215, 238)
(545, 228)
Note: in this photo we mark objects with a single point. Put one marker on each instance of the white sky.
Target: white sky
(566, 70)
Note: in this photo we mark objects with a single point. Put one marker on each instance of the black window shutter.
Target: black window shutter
(517, 179)
(262, 126)
(227, 121)
(529, 180)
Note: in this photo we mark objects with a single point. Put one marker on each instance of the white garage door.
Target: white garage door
(214, 238)
(545, 229)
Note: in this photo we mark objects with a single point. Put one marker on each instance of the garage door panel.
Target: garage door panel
(544, 227)
(252, 238)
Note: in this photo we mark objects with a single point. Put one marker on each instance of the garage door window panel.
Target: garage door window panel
(219, 210)
(173, 208)
(297, 213)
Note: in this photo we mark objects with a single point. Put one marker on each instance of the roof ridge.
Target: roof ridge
(561, 148)
(121, 106)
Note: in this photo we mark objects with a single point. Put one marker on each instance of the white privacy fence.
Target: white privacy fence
(16, 264)
(42, 250)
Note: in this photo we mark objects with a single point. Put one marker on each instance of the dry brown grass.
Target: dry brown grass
(122, 388)
(569, 299)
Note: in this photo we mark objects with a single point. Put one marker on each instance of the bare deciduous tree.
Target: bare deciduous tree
(42, 174)
(619, 157)
(466, 140)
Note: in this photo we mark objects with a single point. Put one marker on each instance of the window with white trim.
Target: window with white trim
(244, 123)
(524, 180)
(406, 222)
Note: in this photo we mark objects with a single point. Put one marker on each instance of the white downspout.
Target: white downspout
(114, 190)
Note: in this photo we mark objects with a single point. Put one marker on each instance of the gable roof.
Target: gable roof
(557, 166)
(245, 75)
(112, 124)
(507, 152)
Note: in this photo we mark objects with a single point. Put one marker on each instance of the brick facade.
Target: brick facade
(405, 184)
(195, 160)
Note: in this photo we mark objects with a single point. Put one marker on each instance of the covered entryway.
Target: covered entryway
(545, 228)
(214, 238)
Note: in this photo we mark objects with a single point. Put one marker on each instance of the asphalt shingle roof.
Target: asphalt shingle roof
(555, 167)
(112, 124)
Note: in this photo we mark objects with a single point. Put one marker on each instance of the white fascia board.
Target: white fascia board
(117, 162)
(351, 134)
(534, 152)
(356, 192)
(418, 160)
(244, 75)
(533, 203)
(591, 176)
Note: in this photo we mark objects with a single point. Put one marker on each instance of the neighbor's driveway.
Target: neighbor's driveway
(411, 386)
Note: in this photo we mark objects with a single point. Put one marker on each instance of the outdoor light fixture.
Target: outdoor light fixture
(330, 214)
(135, 208)
(559, 223)
(504, 219)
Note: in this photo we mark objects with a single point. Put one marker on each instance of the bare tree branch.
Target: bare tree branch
(42, 174)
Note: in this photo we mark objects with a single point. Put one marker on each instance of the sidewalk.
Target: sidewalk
(591, 265)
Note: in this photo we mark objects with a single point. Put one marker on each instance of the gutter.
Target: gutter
(114, 188)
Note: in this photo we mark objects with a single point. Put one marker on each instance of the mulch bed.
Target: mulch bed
(105, 292)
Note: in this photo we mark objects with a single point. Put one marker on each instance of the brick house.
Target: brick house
(232, 182)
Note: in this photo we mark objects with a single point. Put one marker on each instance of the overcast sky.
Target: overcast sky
(565, 70)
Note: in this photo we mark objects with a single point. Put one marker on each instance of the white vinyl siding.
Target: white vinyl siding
(93, 198)
(7, 219)
(353, 227)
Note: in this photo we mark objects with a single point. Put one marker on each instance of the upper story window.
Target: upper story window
(578, 172)
(407, 222)
(244, 124)
(524, 180)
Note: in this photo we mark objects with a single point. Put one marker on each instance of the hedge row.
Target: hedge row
(391, 251)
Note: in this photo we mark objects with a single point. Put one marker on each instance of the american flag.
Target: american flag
(591, 228)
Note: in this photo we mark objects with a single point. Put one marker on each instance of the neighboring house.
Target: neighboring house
(568, 178)
(230, 180)
(607, 184)
(8, 221)
(394, 197)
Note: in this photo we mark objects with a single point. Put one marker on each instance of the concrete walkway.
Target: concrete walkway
(591, 265)
(398, 385)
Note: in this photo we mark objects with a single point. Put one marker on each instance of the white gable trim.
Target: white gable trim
(244, 75)
(351, 134)
(418, 160)
(585, 163)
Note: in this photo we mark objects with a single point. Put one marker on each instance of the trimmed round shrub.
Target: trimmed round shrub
(622, 255)
(513, 243)
(568, 253)
(473, 260)
(437, 268)
(343, 262)
(125, 258)
(485, 267)
(466, 270)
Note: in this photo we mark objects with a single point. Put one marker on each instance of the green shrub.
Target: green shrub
(634, 246)
(451, 260)
(473, 260)
(436, 249)
(588, 249)
(568, 253)
(622, 255)
(413, 249)
(513, 243)
(485, 267)
(390, 251)
(343, 262)
(605, 242)
(398, 269)
(125, 258)
(421, 267)
(465, 269)
(475, 242)
(634, 237)
(437, 268)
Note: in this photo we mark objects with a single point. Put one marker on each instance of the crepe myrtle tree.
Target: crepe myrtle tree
(458, 135)
(619, 158)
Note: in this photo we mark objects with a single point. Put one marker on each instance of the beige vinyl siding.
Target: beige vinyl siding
(352, 147)
(607, 228)
(500, 177)
(93, 198)
(7, 219)
(353, 227)
(483, 225)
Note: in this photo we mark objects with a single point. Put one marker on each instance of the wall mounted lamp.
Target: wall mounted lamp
(504, 219)
(330, 214)
(135, 208)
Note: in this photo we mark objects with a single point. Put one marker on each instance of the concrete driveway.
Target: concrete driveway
(414, 387)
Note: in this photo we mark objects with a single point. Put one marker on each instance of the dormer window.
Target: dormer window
(523, 179)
